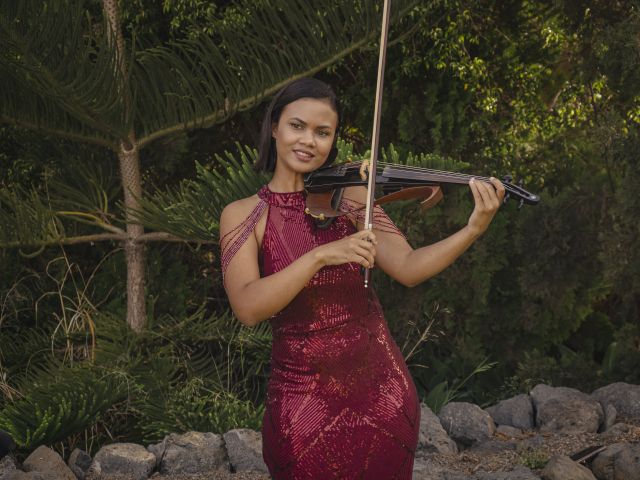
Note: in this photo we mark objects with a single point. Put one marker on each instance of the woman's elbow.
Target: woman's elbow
(404, 280)
(246, 318)
(409, 284)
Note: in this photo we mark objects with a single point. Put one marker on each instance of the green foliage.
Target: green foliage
(444, 392)
(193, 209)
(194, 406)
(534, 458)
(71, 400)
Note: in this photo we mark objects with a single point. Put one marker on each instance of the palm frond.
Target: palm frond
(59, 73)
(69, 403)
(196, 83)
(27, 219)
(82, 193)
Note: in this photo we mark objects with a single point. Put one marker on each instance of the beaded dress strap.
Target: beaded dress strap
(231, 242)
(381, 221)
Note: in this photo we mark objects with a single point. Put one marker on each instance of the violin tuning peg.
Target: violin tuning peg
(520, 183)
(521, 203)
(506, 198)
(507, 179)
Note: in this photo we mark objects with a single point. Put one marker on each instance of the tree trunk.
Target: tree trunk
(129, 158)
(134, 250)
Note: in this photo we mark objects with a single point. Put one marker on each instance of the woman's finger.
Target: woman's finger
(485, 191)
(499, 186)
(366, 253)
(362, 260)
(473, 185)
(368, 235)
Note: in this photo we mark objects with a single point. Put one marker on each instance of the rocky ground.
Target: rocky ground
(526, 437)
(531, 449)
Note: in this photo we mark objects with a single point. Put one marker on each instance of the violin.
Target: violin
(325, 187)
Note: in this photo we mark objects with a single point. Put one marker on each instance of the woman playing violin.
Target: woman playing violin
(340, 401)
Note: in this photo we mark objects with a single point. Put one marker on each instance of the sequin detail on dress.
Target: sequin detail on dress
(341, 403)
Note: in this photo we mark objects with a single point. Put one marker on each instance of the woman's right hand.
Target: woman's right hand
(357, 248)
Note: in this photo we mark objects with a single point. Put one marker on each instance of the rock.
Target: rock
(509, 431)
(244, 447)
(627, 464)
(616, 430)
(624, 396)
(518, 473)
(7, 466)
(191, 452)
(620, 461)
(515, 412)
(46, 461)
(432, 437)
(567, 410)
(602, 464)
(561, 467)
(128, 459)
(466, 423)
(610, 414)
(569, 416)
(79, 463)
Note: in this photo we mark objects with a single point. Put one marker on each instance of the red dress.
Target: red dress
(341, 403)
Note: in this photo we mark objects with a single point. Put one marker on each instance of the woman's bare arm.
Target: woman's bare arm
(411, 267)
(254, 299)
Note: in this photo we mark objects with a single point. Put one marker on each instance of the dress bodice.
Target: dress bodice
(336, 293)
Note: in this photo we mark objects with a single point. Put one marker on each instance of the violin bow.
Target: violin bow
(375, 136)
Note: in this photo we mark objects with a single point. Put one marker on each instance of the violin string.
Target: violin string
(434, 171)
(443, 173)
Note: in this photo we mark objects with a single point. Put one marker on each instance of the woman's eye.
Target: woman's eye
(296, 125)
(324, 134)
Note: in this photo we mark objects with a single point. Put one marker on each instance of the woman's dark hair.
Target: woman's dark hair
(302, 88)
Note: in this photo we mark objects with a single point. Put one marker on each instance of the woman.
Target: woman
(340, 400)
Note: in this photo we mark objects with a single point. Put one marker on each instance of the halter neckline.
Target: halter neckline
(283, 199)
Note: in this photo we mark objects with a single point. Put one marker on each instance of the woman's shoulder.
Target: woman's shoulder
(236, 211)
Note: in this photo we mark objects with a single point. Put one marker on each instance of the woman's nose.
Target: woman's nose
(308, 137)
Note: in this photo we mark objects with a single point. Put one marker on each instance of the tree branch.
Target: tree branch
(226, 112)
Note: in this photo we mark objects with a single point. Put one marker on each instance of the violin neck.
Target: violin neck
(435, 176)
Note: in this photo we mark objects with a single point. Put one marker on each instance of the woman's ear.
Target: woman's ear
(274, 129)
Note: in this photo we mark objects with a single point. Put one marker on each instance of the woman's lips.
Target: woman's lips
(303, 156)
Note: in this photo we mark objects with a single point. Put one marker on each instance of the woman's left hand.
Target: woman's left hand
(488, 198)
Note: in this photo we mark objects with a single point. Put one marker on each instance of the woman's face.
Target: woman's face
(304, 134)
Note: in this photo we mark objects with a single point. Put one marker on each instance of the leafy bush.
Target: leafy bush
(194, 405)
(70, 401)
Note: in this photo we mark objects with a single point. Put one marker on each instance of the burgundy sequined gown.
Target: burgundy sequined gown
(341, 403)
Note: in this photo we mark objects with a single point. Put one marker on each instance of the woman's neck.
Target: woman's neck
(281, 183)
